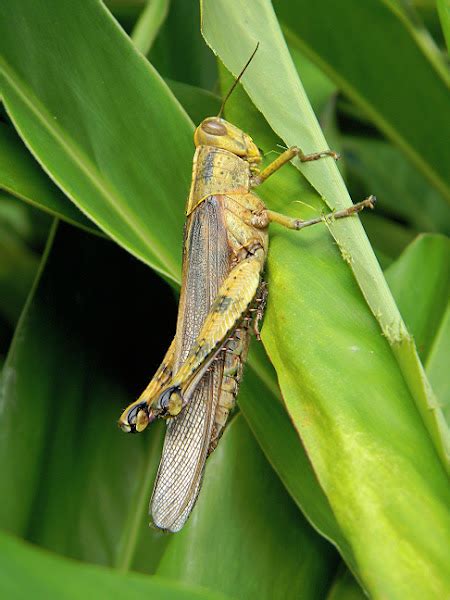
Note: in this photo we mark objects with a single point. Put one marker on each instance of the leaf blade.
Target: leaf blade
(325, 364)
(26, 570)
(270, 83)
(325, 38)
(76, 135)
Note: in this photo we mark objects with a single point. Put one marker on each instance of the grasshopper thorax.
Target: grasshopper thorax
(215, 131)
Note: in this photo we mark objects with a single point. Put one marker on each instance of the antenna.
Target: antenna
(238, 78)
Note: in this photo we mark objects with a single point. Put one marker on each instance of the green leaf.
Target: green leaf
(261, 405)
(83, 485)
(173, 250)
(420, 282)
(340, 382)
(26, 572)
(23, 231)
(422, 292)
(197, 102)
(179, 53)
(406, 93)
(444, 15)
(18, 496)
(346, 396)
(280, 441)
(18, 266)
(246, 537)
(318, 86)
(345, 588)
(369, 461)
(149, 23)
(126, 12)
(428, 13)
(388, 237)
(21, 176)
(108, 130)
(437, 364)
(28, 223)
(290, 115)
(77, 485)
(422, 19)
(408, 196)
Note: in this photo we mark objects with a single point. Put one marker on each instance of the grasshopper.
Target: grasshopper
(222, 300)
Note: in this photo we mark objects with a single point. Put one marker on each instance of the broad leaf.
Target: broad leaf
(422, 293)
(339, 379)
(246, 538)
(420, 282)
(374, 571)
(406, 196)
(384, 68)
(147, 27)
(444, 15)
(21, 177)
(26, 571)
(259, 400)
(77, 484)
(84, 486)
(345, 588)
(275, 89)
(437, 364)
(197, 102)
(18, 266)
(179, 53)
(108, 130)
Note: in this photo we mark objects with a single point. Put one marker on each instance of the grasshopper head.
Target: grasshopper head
(215, 131)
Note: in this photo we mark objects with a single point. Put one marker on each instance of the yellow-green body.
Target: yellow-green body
(222, 264)
(225, 248)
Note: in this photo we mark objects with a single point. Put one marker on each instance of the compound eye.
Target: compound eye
(214, 128)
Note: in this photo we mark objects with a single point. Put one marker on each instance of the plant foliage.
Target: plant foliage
(332, 480)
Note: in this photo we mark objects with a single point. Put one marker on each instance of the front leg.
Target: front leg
(287, 156)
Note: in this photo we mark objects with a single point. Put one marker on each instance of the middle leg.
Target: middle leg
(297, 224)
